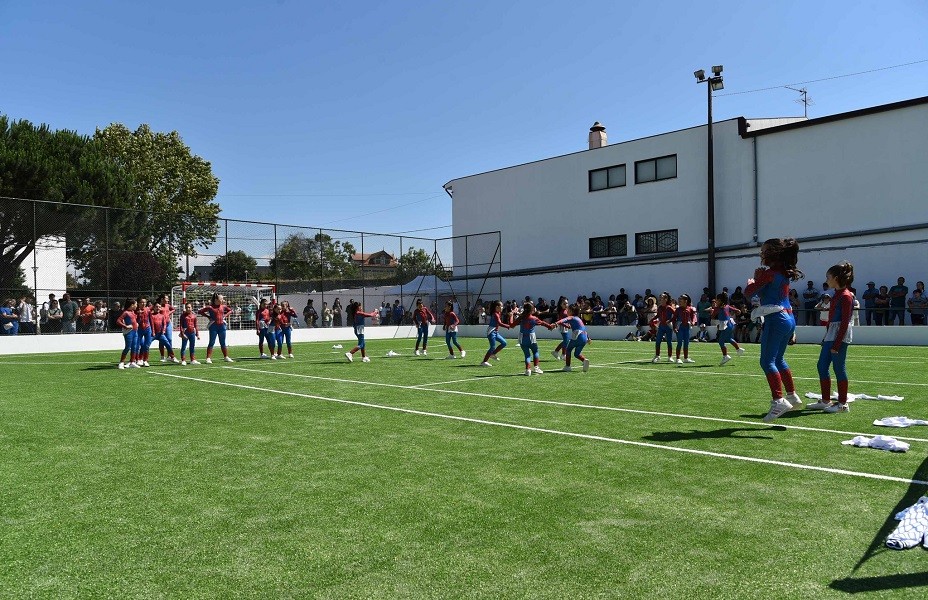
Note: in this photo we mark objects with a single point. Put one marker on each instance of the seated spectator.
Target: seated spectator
(823, 307)
(612, 314)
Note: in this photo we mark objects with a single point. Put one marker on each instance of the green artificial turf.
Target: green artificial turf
(137, 483)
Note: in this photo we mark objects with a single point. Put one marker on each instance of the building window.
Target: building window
(610, 177)
(652, 242)
(656, 169)
(605, 247)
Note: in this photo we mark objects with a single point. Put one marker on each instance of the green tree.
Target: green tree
(319, 257)
(234, 266)
(58, 166)
(415, 262)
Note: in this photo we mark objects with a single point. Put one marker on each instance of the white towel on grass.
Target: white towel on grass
(913, 529)
(880, 442)
(852, 397)
(391, 354)
(337, 347)
(899, 422)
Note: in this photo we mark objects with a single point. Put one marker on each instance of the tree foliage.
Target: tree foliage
(234, 266)
(319, 257)
(415, 262)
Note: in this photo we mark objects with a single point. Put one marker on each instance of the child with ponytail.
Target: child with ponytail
(837, 337)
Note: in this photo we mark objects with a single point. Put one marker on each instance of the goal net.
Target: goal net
(242, 298)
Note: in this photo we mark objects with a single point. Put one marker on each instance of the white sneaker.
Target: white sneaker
(725, 359)
(183, 363)
(495, 357)
(163, 359)
(820, 405)
(273, 357)
(121, 366)
(567, 369)
(778, 407)
(263, 355)
(838, 407)
(794, 400)
(740, 351)
(425, 353)
(145, 364)
(290, 355)
(586, 365)
(418, 353)
(194, 362)
(366, 359)
(528, 372)
(656, 360)
(670, 359)
(174, 360)
(688, 360)
(485, 364)
(209, 361)
(349, 357)
(463, 353)
(134, 366)
(537, 370)
(229, 359)
(556, 354)
(679, 361)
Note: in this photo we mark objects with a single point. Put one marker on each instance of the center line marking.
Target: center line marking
(557, 432)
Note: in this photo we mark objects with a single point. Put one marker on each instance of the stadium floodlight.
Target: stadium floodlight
(717, 70)
(714, 83)
(700, 75)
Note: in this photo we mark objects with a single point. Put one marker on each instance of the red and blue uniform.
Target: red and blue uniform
(168, 311)
(726, 325)
(421, 318)
(578, 337)
(497, 341)
(143, 343)
(283, 330)
(359, 322)
(188, 333)
(217, 327)
(834, 347)
(159, 325)
(564, 329)
(665, 316)
(684, 318)
(527, 340)
(772, 287)
(451, 322)
(263, 319)
(128, 321)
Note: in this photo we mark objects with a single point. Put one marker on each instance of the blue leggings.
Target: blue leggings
(496, 339)
(565, 339)
(530, 351)
(683, 339)
(145, 339)
(451, 337)
(214, 332)
(664, 332)
(827, 359)
(778, 330)
(422, 335)
(577, 345)
(131, 338)
(267, 336)
(361, 341)
(283, 334)
(725, 336)
(184, 339)
(164, 341)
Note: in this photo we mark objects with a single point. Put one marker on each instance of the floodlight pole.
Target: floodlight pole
(714, 80)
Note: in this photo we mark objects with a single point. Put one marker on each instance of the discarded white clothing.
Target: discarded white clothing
(880, 442)
(852, 397)
(337, 347)
(899, 422)
(391, 353)
(913, 529)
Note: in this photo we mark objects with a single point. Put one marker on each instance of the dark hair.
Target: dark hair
(722, 297)
(528, 307)
(782, 253)
(843, 273)
(689, 301)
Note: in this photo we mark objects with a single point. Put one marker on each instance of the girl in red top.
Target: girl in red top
(188, 333)
(283, 328)
(143, 343)
(451, 322)
(560, 352)
(684, 318)
(168, 311)
(130, 328)
(357, 317)
(159, 327)
(422, 317)
(216, 312)
(263, 320)
(665, 312)
(837, 338)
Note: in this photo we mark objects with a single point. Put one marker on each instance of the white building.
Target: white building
(851, 186)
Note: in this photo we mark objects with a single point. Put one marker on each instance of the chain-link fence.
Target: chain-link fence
(70, 268)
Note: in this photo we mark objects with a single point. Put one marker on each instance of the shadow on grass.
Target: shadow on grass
(695, 434)
(854, 585)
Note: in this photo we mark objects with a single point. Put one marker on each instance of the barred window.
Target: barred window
(652, 242)
(605, 247)
(656, 169)
(609, 177)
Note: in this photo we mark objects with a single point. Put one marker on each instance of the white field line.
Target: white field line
(424, 385)
(565, 404)
(23, 363)
(645, 352)
(657, 369)
(557, 432)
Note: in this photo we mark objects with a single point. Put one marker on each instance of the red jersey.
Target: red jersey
(263, 318)
(159, 323)
(281, 321)
(128, 319)
(167, 310)
(216, 314)
(144, 315)
(685, 317)
(665, 315)
(423, 316)
(450, 320)
(188, 323)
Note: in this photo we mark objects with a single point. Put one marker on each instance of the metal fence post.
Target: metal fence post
(276, 265)
(363, 280)
(227, 249)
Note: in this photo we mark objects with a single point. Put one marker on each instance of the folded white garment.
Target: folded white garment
(852, 397)
(337, 347)
(893, 398)
(880, 442)
(899, 422)
(391, 353)
(913, 528)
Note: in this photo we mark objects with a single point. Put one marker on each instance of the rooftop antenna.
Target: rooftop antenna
(805, 100)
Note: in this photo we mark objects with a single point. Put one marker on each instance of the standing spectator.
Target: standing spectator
(248, 315)
(622, 298)
(398, 312)
(55, 317)
(326, 315)
(918, 304)
(337, 313)
(99, 316)
(385, 314)
(794, 302)
(309, 314)
(897, 295)
(882, 306)
(870, 302)
(9, 319)
(86, 316)
(703, 317)
(737, 297)
(114, 315)
(69, 310)
(810, 298)
(26, 316)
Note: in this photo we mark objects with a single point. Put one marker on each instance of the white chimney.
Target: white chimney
(597, 135)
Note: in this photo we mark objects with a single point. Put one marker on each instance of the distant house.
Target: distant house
(378, 264)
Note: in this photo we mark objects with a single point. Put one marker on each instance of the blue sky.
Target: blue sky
(321, 113)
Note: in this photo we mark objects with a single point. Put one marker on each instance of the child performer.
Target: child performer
(561, 350)
(527, 341)
(421, 318)
(168, 311)
(665, 313)
(143, 343)
(837, 338)
(216, 312)
(451, 330)
(771, 283)
(725, 315)
(159, 327)
(188, 333)
(283, 328)
(130, 331)
(358, 317)
(263, 319)
(684, 318)
(578, 336)
(494, 322)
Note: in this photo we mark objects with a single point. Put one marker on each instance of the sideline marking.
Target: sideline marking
(557, 432)
(23, 363)
(423, 385)
(691, 371)
(567, 404)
